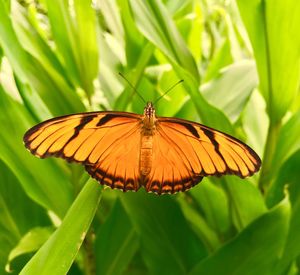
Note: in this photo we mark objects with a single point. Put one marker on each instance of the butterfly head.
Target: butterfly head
(149, 116)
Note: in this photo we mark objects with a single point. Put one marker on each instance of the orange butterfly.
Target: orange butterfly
(126, 150)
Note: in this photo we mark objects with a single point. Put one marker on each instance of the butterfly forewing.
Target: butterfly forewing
(106, 142)
(210, 152)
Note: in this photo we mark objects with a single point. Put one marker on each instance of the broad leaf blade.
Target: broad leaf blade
(234, 85)
(246, 254)
(47, 183)
(168, 244)
(15, 206)
(116, 242)
(65, 242)
(273, 27)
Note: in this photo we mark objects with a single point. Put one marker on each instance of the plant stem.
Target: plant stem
(266, 170)
(89, 254)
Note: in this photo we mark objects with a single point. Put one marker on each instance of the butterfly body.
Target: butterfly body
(146, 145)
(126, 150)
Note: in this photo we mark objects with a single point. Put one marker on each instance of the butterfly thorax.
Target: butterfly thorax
(149, 118)
(148, 129)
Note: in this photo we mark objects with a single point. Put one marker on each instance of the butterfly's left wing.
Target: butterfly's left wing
(107, 143)
(184, 152)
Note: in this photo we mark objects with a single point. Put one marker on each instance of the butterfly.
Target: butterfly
(127, 151)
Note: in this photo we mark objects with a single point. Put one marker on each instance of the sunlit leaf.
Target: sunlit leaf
(251, 245)
(30, 242)
(114, 251)
(272, 28)
(64, 243)
(234, 84)
(159, 222)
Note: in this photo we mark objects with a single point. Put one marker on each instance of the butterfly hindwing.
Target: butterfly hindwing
(171, 171)
(118, 159)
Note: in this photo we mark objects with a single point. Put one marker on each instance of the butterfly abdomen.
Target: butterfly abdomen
(146, 154)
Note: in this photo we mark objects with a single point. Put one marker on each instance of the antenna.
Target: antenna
(134, 89)
(180, 81)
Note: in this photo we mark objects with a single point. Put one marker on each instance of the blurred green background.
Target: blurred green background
(240, 62)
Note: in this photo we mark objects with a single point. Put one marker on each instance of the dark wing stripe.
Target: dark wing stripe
(236, 158)
(242, 160)
(43, 135)
(191, 129)
(43, 126)
(216, 145)
(192, 136)
(106, 118)
(61, 152)
(118, 124)
(82, 123)
(247, 150)
(43, 129)
(209, 162)
(206, 161)
(49, 138)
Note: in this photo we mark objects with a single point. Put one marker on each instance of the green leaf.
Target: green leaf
(290, 175)
(114, 251)
(288, 140)
(65, 242)
(86, 47)
(199, 224)
(221, 59)
(154, 21)
(156, 24)
(254, 250)
(245, 201)
(168, 244)
(14, 208)
(126, 97)
(273, 30)
(214, 206)
(30, 242)
(255, 122)
(32, 73)
(234, 85)
(133, 39)
(64, 33)
(171, 102)
(53, 191)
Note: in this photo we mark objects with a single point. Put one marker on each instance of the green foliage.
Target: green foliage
(240, 64)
